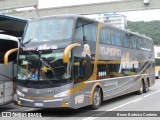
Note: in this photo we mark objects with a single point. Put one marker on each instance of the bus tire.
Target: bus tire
(146, 86)
(157, 77)
(140, 91)
(96, 99)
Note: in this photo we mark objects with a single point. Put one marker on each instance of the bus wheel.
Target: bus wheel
(140, 91)
(146, 86)
(96, 99)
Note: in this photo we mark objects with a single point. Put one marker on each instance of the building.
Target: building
(113, 19)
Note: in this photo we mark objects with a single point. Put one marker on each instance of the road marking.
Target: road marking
(133, 101)
(136, 100)
(92, 118)
(152, 93)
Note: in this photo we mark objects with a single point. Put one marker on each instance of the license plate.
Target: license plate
(38, 104)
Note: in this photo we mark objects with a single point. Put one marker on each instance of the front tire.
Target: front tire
(96, 99)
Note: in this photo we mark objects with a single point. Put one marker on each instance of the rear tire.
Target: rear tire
(96, 99)
(140, 91)
(146, 86)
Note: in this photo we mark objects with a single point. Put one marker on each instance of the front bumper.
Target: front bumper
(50, 103)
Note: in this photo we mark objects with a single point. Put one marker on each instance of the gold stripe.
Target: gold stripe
(39, 97)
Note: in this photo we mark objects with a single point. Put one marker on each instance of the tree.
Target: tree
(150, 29)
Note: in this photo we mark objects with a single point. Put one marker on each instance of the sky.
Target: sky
(146, 15)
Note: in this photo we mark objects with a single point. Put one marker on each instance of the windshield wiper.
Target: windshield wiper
(23, 44)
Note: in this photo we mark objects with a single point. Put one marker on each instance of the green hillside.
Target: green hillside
(150, 29)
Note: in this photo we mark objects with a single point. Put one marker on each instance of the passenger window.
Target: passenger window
(116, 38)
(90, 31)
(143, 46)
(138, 43)
(105, 36)
(86, 29)
(78, 31)
(151, 44)
(102, 71)
(132, 41)
(125, 41)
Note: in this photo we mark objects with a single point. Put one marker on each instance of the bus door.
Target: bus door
(83, 59)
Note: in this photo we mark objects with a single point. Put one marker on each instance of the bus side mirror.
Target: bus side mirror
(68, 50)
(8, 53)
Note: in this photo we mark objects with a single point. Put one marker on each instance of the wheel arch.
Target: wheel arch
(92, 91)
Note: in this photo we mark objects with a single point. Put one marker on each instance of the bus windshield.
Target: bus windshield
(49, 29)
(45, 66)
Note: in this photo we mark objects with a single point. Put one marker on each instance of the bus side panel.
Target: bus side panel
(120, 86)
(6, 83)
(1, 92)
(8, 91)
(82, 97)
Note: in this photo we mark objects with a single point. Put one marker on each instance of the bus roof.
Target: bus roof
(83, 17)
(12, 26)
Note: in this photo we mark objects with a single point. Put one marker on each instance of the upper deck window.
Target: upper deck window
(116, 38)
(105, 36)
(86, 30)
(133, 42)
(125, 40)
(49, 29)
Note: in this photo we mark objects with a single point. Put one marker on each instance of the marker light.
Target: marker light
(63, 94)
(20, 94)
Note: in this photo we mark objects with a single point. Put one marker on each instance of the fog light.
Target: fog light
(19, 103)
(64, 104)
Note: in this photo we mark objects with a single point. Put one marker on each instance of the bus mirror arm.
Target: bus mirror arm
(8, 53)
(68, 50)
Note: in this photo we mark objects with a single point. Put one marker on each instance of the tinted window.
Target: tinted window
(133, 41)
(116, 38)
(150, 42)
(86, 30)
(138, 43)
(125, 40)
(50, 29)
(79, 31)
(143, 44)
(105, 36)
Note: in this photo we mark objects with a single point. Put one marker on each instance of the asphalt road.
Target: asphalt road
(121, 106)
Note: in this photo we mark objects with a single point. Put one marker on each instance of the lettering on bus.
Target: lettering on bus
(111, 83)
(127, 63)
(109, 51)
(79, 99)
(46, 47)
(41, 47)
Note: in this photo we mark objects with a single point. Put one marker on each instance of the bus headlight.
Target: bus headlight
(20, 94)
(63, 94)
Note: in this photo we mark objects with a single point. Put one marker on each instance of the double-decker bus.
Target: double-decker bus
(10, 29)
(72, 61)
